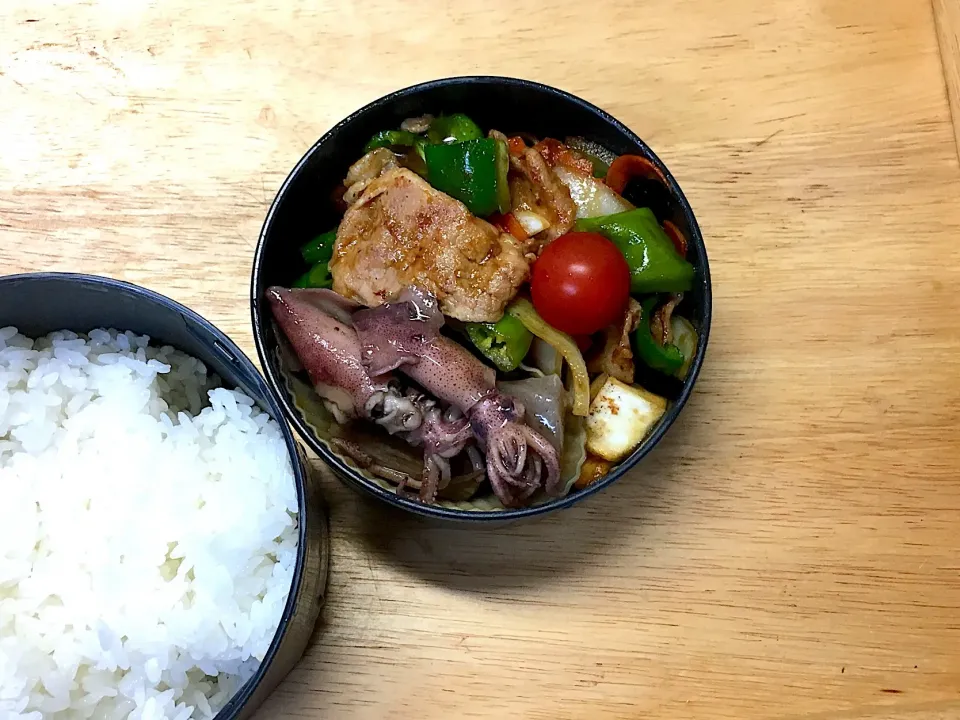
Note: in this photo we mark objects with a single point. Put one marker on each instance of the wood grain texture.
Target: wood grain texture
(791, 549)
(947, 13)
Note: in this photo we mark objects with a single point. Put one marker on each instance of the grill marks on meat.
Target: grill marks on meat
(401, 232)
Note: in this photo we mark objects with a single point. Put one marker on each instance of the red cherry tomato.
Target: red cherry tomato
(583, 342)
(581, 283)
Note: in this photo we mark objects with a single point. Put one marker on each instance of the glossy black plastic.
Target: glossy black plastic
(303, 209)
(40, 303)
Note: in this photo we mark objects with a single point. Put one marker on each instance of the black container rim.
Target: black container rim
(254, 377)
(482, 516)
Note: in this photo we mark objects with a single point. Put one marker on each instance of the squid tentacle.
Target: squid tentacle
(401, 336)
(317, 324)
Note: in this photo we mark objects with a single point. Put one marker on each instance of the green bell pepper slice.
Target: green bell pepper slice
(420, 145)
(665, 358)
(390, 138)
(453, 129)
(474, 172)
(320, 249)
(684, 337)
(505, 343)
(316, 277)
(655, 265)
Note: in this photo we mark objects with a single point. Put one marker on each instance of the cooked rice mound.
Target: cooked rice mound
(148, 530)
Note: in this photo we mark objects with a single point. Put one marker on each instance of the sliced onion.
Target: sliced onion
(574, 453)
(523, 310)
(591, 196)
(684, 337)
(531, 222)
(595, 386)
(660, 326)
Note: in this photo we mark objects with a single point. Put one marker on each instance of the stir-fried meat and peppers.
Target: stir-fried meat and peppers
(489, 299)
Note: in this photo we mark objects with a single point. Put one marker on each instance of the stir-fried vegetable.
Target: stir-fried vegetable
(453, 129)
(316, 277)
(530, 222)
(558, 155)
(654, 263)
(474, 172)
(320, 249)
(592, 470)
(584, 256)
(517, 145)
(524, 311)
(317, 254)
(684, 337)
(598, 155)
(390, 138)
(677, 236)
(580, 283)
(444, 129)
(660, 320)
(615, 356)
(665, 358)
(505, 343)
(419, 149)
(627, 167)
(621, 415)
(596, 385)
(417, 125)
(511, 223)
(574, 453)
(592, 197)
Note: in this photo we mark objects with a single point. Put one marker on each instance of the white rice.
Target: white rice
(148, 531)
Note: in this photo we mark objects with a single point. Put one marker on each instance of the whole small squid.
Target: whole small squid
(317, 325)
(404, 335)
(351, 354)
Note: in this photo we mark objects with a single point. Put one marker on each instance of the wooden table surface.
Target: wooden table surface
(792, 549)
